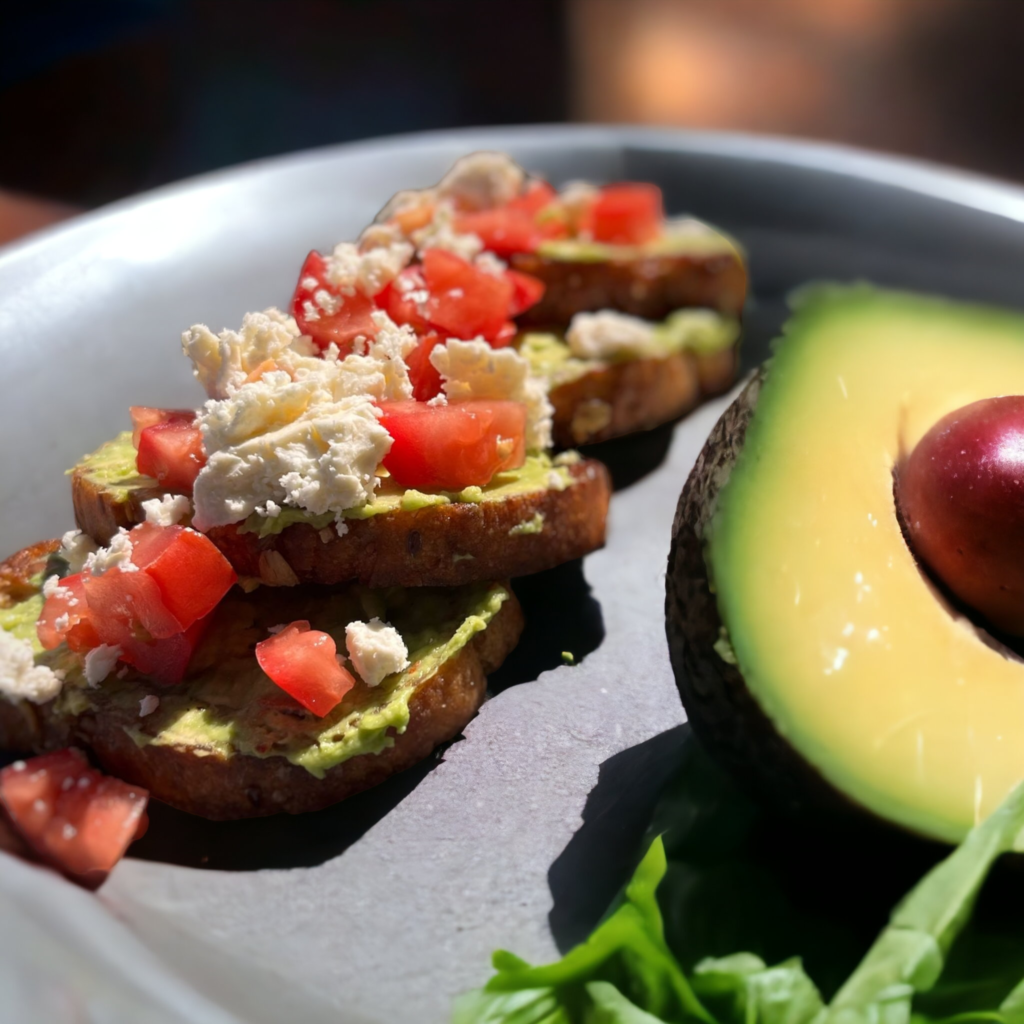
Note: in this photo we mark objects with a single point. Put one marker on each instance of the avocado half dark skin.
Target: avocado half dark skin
(724, 716)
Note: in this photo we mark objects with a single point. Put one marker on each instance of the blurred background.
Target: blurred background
(104, 98)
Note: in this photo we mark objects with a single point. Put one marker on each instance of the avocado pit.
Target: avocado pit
(960, 494)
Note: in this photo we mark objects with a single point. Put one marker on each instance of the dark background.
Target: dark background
(104, 98)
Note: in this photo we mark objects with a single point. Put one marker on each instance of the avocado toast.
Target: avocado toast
(608, 327)
(225, 742)
(210, 634)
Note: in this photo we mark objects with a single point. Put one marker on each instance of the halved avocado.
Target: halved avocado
(812, 653)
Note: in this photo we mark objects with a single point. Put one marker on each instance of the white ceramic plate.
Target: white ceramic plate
(385, 907)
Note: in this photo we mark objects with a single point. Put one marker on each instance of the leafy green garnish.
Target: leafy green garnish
(630, 971)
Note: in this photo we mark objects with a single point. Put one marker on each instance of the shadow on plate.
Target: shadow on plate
(629, 459)
(561, 616)
(600, 856)
(280, 841)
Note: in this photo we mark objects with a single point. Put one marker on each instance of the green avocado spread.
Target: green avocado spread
(112, 467)
(700, 331)
(226, 705)
(683, 237)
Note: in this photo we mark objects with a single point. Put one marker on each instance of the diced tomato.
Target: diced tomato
(627, 214)
(465, 301)
(516, 226)
(77, 629)
(426, 380)
(74, 817)
(146, 416)
(127, 606)
(187, 566)
(448, 447)
(395, 299)
(527, 291)
(164, 661)
(347, 316)
(304, 663)
(172, 453)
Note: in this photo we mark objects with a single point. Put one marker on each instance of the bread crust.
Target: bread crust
(242, 786)
(650, 287)
(440, 545)
(638, 394)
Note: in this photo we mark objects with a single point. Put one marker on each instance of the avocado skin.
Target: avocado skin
(726, 718)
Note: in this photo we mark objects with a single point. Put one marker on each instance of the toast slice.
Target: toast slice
(524, 521)
(584, 277)
(598, 399)
(226, 742)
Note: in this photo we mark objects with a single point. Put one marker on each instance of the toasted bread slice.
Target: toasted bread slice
(226, 743)
(523, 522)
(649, 285)
(612, 399)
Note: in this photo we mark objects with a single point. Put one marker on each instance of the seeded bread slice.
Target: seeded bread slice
(199, 771)
(505, 533)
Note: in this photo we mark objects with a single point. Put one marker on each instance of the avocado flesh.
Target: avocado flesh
(112, 468)
(683, 237)
(226, 705)
(841, 641)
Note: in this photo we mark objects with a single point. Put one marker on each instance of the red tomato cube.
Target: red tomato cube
(189, 569)
(172, 453)
(72, 816)
(304, 663)
(127, 606)
(425, 378)
(65, 616)
(465, 301)
(145, 416)
(448, 447)
(626, 214)
(346, 316)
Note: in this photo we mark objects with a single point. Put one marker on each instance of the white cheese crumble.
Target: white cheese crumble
(99, 662)
(368, 270)
(608, 334)
(168, 510)
(116, 555)
(482, 181)
(75, 548)
(440, 233)
(305, 434)
(20, 676)
(472, 369)
(148, 705)
(376, 650)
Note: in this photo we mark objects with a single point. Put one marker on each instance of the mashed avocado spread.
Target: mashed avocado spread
(112, 467)
(684, 237)
(226, 705)
(701, 332)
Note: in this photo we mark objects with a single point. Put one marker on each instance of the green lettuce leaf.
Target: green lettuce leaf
(931, 964)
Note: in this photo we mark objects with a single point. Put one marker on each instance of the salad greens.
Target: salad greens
(714, 873)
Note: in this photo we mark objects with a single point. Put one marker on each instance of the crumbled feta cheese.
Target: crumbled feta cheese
(116, 555)
(20, 676)
(376, 650)
(52, 587)
(575, 198)
(349, 268)
(75, 548)
(472, 369)
(269, 510)
(99, 662)
(148, 705)
(490, 264)
(341, 527)
(439, 399)
(440, 233)
(482, 181)
(380, 236)
(168, 510)
(608, 334)
(222, 362)
(306, 435)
